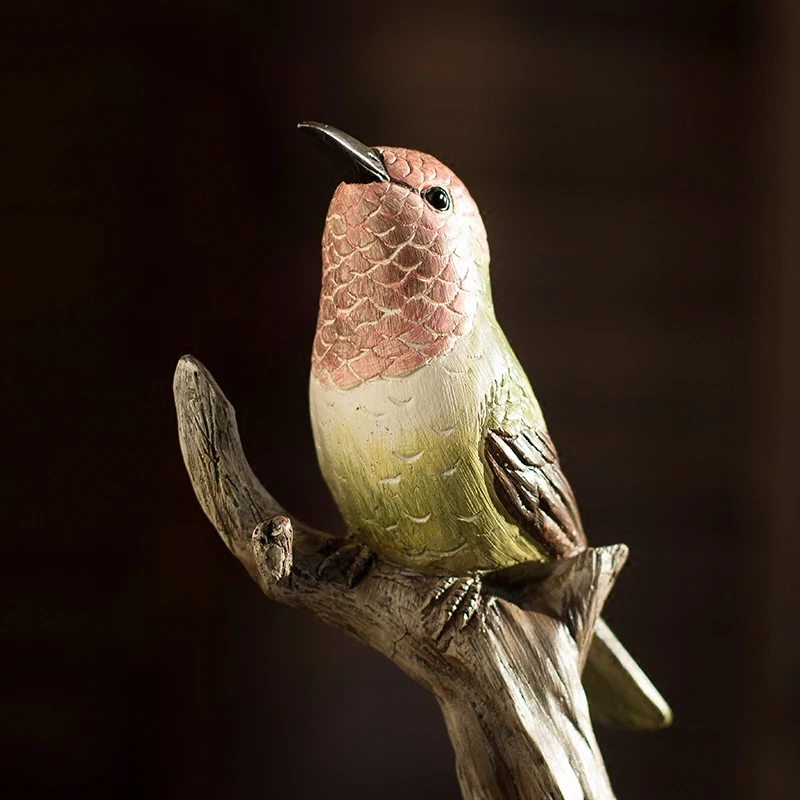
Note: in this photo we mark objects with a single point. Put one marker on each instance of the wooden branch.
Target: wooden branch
(507, 677)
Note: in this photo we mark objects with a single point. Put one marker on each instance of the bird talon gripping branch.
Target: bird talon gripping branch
(453, 606)
(347, 559)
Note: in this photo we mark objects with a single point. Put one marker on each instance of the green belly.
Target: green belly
(417, 493)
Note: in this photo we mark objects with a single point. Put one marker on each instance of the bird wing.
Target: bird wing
(531, 487)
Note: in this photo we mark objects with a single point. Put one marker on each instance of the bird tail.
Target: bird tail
(620, 694)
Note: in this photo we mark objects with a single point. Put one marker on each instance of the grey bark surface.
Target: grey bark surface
(505, 668)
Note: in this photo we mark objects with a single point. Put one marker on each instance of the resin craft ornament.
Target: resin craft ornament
(466, 563)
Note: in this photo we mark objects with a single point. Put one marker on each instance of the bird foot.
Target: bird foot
(347, 560)
(455, 603)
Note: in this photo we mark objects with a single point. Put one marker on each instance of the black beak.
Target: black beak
(356, 162)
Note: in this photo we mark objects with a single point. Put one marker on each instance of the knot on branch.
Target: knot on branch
(272, 549)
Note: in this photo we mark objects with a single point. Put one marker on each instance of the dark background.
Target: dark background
(638, 164)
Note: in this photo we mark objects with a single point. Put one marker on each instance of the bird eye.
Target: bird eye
(438, 198)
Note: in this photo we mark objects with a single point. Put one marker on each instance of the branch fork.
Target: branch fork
(503, 657)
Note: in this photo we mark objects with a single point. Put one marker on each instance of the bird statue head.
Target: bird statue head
(404, 262)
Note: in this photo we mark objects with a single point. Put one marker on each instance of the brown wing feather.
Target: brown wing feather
(529, 483)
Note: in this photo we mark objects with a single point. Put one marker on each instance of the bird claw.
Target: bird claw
(345, 559)
(454, 605)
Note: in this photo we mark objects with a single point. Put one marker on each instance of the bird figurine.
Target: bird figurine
(428, 433)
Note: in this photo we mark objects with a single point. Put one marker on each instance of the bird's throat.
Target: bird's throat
(394, 296)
